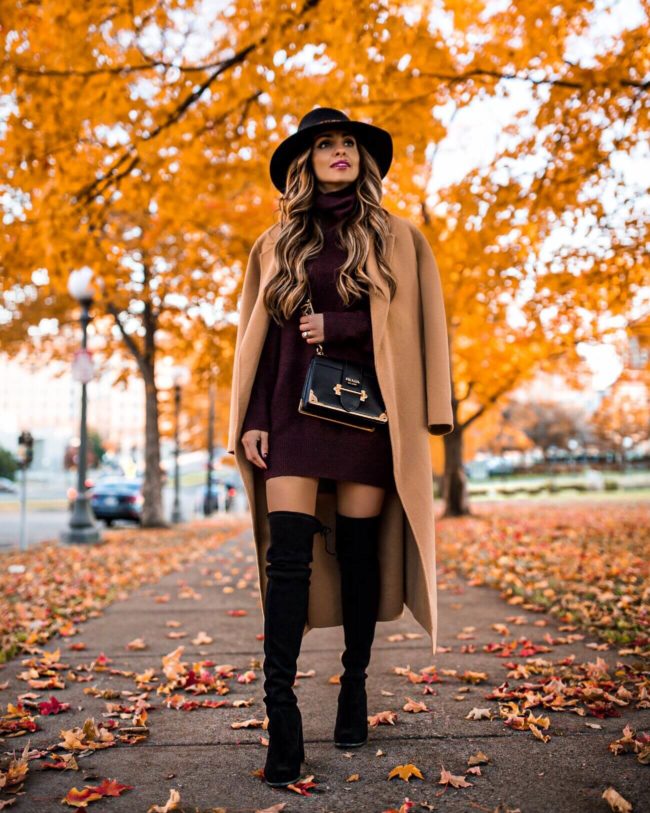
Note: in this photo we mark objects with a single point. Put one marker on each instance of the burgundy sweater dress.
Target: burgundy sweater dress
(303, 445)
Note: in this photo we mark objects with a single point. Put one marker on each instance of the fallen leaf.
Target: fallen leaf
(382, 717)
(136, 643)
(473, 677)
(415, 706)
(479, 714)
(251, 723)
(302, 786)
(111, 787)
(171, 803)
(405, 772)
(617, 803)
(448, 778)
(52, 706)
(479, 758)
(202, 638)
(76, 797)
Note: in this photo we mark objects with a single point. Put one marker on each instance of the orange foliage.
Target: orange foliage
(134, 146)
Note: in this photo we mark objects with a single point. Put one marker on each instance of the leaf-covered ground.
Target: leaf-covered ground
(585, 562)
(179, 664)
(52, 587)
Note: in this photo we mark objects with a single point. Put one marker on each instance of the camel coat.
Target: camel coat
(412, 365)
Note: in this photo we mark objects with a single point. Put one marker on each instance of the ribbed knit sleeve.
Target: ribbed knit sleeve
(345, 326)
(258, 414)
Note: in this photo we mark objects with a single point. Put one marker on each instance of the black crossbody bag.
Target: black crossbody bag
(342, 391)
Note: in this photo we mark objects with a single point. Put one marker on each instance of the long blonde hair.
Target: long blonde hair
(301, 237)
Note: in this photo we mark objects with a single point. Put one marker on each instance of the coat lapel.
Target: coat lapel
(378, 302)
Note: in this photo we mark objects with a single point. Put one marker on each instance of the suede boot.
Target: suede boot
(356, 551)
(288, 569)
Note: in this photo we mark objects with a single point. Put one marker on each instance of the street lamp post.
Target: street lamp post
(180, 376)
(82, 526)
(208, 502)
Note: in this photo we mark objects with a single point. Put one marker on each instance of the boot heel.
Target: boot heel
(283, 757)
(351, 728)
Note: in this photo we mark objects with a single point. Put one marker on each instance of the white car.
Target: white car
(8, 486)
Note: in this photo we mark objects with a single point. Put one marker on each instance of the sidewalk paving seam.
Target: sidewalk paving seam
(386, 741)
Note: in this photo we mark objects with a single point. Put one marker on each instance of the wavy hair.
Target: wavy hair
(301, 237)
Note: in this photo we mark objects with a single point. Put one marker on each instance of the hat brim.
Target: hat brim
(377, 141)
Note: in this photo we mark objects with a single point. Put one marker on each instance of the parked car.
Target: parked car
(117, 498)
(8, 485)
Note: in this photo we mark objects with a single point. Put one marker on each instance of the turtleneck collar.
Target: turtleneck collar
(333, 206)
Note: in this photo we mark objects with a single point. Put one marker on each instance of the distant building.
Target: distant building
(47, 402)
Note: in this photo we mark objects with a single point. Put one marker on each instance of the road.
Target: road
(47, 522)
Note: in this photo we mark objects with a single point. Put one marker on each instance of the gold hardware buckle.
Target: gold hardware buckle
(338, 389)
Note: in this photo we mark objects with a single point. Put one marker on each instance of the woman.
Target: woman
(336, 242)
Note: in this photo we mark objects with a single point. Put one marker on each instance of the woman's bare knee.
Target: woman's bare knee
(292, 494)
(359, 499)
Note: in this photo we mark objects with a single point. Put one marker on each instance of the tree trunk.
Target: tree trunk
(152, 510)
(454, 484)
(145, 356)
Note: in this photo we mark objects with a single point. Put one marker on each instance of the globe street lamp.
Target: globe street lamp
(82, 526)
(180, 376)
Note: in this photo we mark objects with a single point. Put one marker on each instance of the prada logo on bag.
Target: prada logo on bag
(352, 380)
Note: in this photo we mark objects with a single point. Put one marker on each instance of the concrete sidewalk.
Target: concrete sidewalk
(211, 764)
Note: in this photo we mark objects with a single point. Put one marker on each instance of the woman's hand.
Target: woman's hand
(249, 442)
(315, 324)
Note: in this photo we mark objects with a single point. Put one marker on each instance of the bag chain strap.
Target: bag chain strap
(308, 309)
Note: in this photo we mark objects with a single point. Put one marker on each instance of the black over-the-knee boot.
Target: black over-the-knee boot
(289, 558)
(356, 550)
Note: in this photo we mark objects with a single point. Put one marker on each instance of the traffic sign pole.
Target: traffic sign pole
(23, 509)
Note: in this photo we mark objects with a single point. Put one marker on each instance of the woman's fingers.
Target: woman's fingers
(315, 324)
(250, 440)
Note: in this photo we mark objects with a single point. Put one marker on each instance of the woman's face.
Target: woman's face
(332, 148)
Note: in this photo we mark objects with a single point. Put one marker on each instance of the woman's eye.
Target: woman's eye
(327, 141)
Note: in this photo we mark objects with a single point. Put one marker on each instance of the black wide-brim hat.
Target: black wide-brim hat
(378, 142)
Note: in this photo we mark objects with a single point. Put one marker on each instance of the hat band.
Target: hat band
(331, 121)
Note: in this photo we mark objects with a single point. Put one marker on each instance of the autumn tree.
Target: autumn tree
(622, 420)
(549, 423)
(137, 138)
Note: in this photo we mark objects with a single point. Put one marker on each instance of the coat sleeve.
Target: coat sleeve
(250, 290)
(258, 414)
(440, 419)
